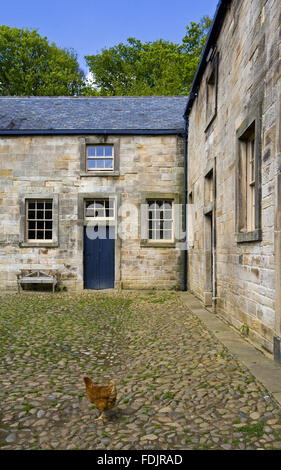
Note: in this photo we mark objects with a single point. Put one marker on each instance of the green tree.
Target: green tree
(150, 68)
(31, 66)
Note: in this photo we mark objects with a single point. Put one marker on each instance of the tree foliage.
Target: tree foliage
(150, 68)
(30, 65)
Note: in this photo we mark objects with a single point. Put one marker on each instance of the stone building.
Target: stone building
(234, 169)
(79, 177)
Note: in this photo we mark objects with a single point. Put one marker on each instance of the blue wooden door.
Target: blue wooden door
(99, 258)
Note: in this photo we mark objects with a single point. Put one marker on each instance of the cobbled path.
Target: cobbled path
(178, 387)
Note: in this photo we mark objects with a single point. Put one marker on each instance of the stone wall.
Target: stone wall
(248, 73)
(50, 165)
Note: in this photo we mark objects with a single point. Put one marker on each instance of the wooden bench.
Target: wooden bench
(36, 277)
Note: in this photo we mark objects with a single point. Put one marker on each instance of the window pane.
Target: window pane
(48, 205)
(40, 235)
(40, 225)
(108, 151)
(167, 225)
(110, 213)
(167, 234)
(100, 204)
(91, 151)
(48, 214)
(48, 235)
(100, 163)
(40, 205)
(92, 164)
(100, 151)
(152, 205)
(31, 225)
(31, 234)
(108, 163)
(167, 205)
(168, 214)
(40, 215)
(49, 225)
(31, 214)
(31, 205)
(90, 212)
(159, 214)
(90, 209)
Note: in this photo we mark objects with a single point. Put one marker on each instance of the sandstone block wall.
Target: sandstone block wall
(248, 73)
(50, 165)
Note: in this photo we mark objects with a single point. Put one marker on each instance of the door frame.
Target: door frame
(102, 194)
(209, 211)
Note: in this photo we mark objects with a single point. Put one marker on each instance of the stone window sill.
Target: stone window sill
(100, 173)
(246, 237)
(211, 120)
(38, 245)
(208, 208)
(156, 244)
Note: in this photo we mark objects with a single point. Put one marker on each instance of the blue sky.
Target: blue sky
(90, 25)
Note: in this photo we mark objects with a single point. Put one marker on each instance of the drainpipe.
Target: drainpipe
(185, 204)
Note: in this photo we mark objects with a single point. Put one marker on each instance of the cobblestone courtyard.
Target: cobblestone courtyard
(178, 387)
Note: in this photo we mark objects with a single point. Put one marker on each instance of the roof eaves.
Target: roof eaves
(92, 131)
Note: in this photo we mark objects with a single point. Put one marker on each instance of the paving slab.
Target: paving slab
(263, 368)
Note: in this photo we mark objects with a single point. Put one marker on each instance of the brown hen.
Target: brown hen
(103, 396)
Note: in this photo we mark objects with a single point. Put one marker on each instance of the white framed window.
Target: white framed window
(248, 178)
(99, 209)
(160, 220)
(247, 181)
(100, 158)
(39, 220)
(211, 91)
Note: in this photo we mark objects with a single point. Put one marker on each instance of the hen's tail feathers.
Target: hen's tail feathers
(112, 395)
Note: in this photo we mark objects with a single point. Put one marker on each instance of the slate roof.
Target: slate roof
(61, 114)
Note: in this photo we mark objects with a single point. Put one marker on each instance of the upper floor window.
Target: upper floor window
(211, 91)
(100, 158)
